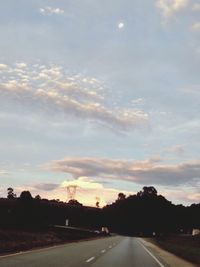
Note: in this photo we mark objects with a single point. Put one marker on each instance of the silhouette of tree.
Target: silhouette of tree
(121, 196)
(38, 197)
(25, 196)
(74, 202)
(147, 191)
(11, 194)
(142, 214)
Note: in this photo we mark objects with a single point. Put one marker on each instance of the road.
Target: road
(114, 251)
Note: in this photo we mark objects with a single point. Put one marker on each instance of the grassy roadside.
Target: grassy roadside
(19, 240)
(186, 247)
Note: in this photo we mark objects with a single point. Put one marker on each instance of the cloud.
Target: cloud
(3, 66)
(194, 197)
(13, 85)
(87, 191)
(51, 11)
(169, 7)
(83, 182)
(21, 65)
(148, 172)
(196, 26)
(196, 7)
(178, 150)
(46, 187)
(4, 172)
(183, 195)
(52, 88)
(138, 101)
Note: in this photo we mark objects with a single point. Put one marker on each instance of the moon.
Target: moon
(120, 25)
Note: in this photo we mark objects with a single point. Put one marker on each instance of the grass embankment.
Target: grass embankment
(20, 240)
(186, 247)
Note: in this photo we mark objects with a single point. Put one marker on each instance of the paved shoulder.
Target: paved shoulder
(170, 259)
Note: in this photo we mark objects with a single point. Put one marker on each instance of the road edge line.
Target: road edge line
(154, 257)
(90, 259)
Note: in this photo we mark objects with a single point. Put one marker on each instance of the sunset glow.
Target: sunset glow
(102, 96)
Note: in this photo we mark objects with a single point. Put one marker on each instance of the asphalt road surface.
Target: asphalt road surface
(114, 251)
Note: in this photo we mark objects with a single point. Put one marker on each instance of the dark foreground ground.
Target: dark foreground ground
(185, 246)
(11, 241)
(21, 240)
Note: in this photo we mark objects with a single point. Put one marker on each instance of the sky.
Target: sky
(104, 95)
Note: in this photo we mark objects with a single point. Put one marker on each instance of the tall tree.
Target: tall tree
(25, 196)
(11, 193)
(121, 196)
(38, 197)
(148, 191)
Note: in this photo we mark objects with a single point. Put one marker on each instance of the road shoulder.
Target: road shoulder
(169, 258)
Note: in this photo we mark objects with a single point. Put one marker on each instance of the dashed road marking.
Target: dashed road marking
(90, 259)
(103, 251)
(110, 247)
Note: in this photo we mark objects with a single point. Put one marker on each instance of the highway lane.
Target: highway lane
(114, 251)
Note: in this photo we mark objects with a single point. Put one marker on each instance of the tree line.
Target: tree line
(145, 213)
(148, 213)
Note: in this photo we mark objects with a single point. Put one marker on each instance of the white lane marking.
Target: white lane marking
(110, 247)
(103, 251)
(90, 259)
(161, 265)
(10, 255)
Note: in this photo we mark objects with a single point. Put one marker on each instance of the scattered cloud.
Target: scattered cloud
(50, 87)
(3, 67)
(196, 7)
(4, 172)
(46, 186)
(51, 11)
(21, 65)
(83, 182)
(183, 195)
(196, 26)
(170, 7)
(178, 150)
(141, 172)
(138, 101)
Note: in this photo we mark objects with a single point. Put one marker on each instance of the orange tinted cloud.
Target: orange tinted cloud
(74, 95)
(145, 172)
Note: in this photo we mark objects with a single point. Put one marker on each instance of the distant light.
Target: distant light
(121, 25)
